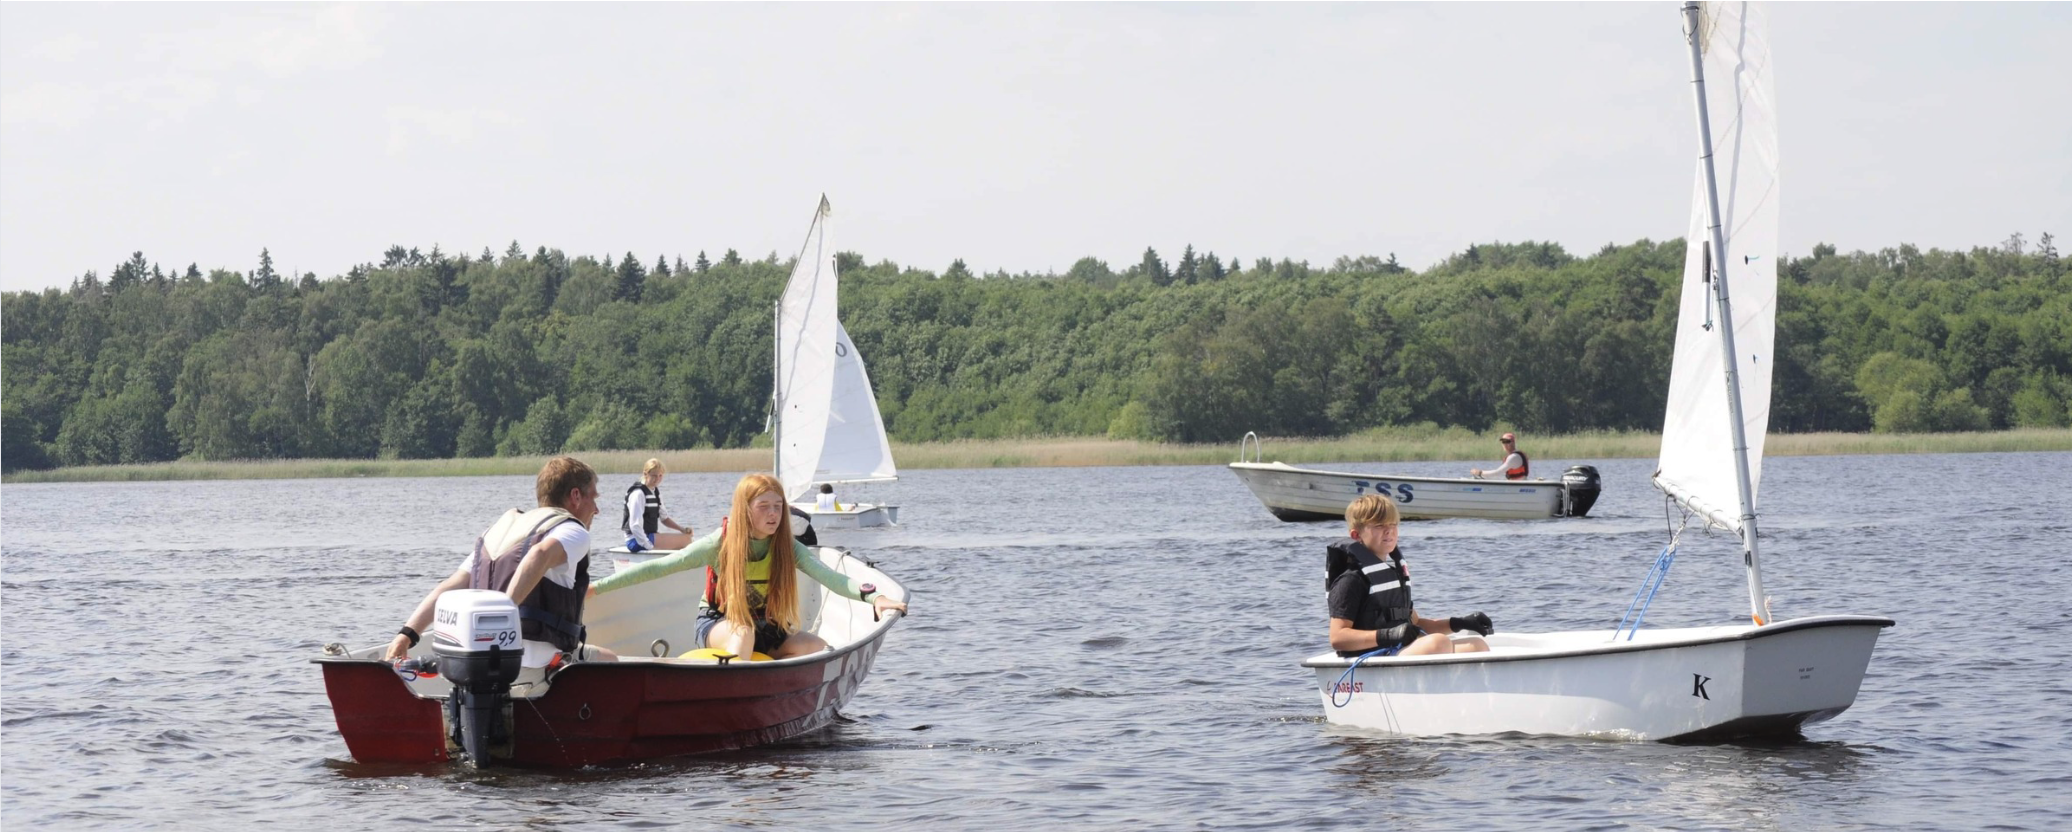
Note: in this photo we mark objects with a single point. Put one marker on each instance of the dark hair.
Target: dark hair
(559, 476)
(826, 488)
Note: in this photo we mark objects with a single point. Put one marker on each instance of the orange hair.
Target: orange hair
(781, 603)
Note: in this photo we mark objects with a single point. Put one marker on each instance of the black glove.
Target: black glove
(1400, 635)
(1472, 621)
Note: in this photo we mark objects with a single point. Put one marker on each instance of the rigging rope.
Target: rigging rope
(1651, 584)
(1345, 684)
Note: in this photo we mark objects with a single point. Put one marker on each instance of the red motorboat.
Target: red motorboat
(648, 704)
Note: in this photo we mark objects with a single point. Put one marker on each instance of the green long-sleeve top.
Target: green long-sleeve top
(705, 552)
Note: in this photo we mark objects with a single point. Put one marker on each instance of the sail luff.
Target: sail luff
(804, 376)
(1690, 471)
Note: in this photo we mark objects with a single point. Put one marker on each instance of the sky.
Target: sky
(1017, 137)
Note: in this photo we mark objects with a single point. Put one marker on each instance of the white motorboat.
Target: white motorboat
(1296, 494)
(827, 428)
(1764, 677)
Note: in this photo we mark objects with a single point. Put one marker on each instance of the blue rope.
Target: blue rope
(1345, 679)
(1648, 586)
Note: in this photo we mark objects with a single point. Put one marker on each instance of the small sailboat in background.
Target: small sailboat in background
(1761, 678)
(827, 428)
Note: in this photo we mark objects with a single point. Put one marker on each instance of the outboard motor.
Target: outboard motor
(475, 634)
(1581, 485)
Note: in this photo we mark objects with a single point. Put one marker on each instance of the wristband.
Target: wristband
(408, 633)
(863, 593)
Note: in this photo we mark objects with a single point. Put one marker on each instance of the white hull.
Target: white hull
(1293, 493)
(1689, 683)
(854, 516)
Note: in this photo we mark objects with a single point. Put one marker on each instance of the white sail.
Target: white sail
(856, 449)
(805, 369)
(1697, 465)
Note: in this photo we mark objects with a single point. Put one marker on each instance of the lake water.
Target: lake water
(1104, 648)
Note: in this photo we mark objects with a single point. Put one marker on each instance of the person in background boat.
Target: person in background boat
(541, 558)
(1370, 593)
(826, 500)
(752, 594)
(642, 520)
(1514, 467)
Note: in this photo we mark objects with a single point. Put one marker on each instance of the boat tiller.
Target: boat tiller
(475, 634)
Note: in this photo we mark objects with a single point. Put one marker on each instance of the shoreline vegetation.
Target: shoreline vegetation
(1379, 445)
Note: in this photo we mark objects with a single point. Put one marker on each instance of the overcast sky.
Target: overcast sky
(1017, 137)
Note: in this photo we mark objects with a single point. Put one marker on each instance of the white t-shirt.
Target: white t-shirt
(826, 502)
(575, 543)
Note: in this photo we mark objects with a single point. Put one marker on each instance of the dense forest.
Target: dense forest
(432, 355)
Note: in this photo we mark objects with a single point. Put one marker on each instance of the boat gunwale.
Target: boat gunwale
(1750, 634)
(884, 625)
(1282, 466)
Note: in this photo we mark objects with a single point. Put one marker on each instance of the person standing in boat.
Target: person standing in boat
(751, 584)
(1370, 593)
(541, 558)
(1514, 467)
(643, 519)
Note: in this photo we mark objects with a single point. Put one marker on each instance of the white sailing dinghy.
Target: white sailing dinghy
(1759, 678)
(827, 427)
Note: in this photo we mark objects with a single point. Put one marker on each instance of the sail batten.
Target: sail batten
(1698, 458)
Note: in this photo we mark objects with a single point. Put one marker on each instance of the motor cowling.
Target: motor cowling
(1580, 486)
(476, 637)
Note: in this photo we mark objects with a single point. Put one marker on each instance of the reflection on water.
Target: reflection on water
(1097, 648)
(1378, 766)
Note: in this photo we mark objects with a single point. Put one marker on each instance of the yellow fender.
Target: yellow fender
(707, 654)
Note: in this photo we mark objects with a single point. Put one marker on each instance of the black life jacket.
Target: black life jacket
(650, 517)
(1387, 601)
(551, 613)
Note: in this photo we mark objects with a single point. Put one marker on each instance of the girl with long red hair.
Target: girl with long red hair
(754, 606)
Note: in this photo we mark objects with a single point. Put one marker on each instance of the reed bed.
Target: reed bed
(1412, 444)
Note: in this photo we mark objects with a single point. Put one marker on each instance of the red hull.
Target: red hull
(604, 712)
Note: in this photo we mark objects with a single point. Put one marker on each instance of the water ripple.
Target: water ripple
(163, 681)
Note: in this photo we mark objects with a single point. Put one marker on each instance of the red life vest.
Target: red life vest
(1524, 467)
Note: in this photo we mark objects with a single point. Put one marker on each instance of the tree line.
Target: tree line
(429, 355)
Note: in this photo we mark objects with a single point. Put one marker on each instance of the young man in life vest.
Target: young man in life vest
(1514, 467)
(1370, 593)
(541, 558)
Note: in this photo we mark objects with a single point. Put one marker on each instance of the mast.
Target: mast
(1750, 552)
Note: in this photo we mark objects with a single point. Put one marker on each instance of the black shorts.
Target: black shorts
(769, 635)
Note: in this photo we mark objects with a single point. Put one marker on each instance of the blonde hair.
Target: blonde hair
(652, 466)
(781, 601)
(1371, 510)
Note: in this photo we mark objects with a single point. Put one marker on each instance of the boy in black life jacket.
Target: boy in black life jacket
(1370, 593)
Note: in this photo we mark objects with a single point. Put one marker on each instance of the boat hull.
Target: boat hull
(640, 707)
(1676, 685)
(1297, 494)
(856, 516)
